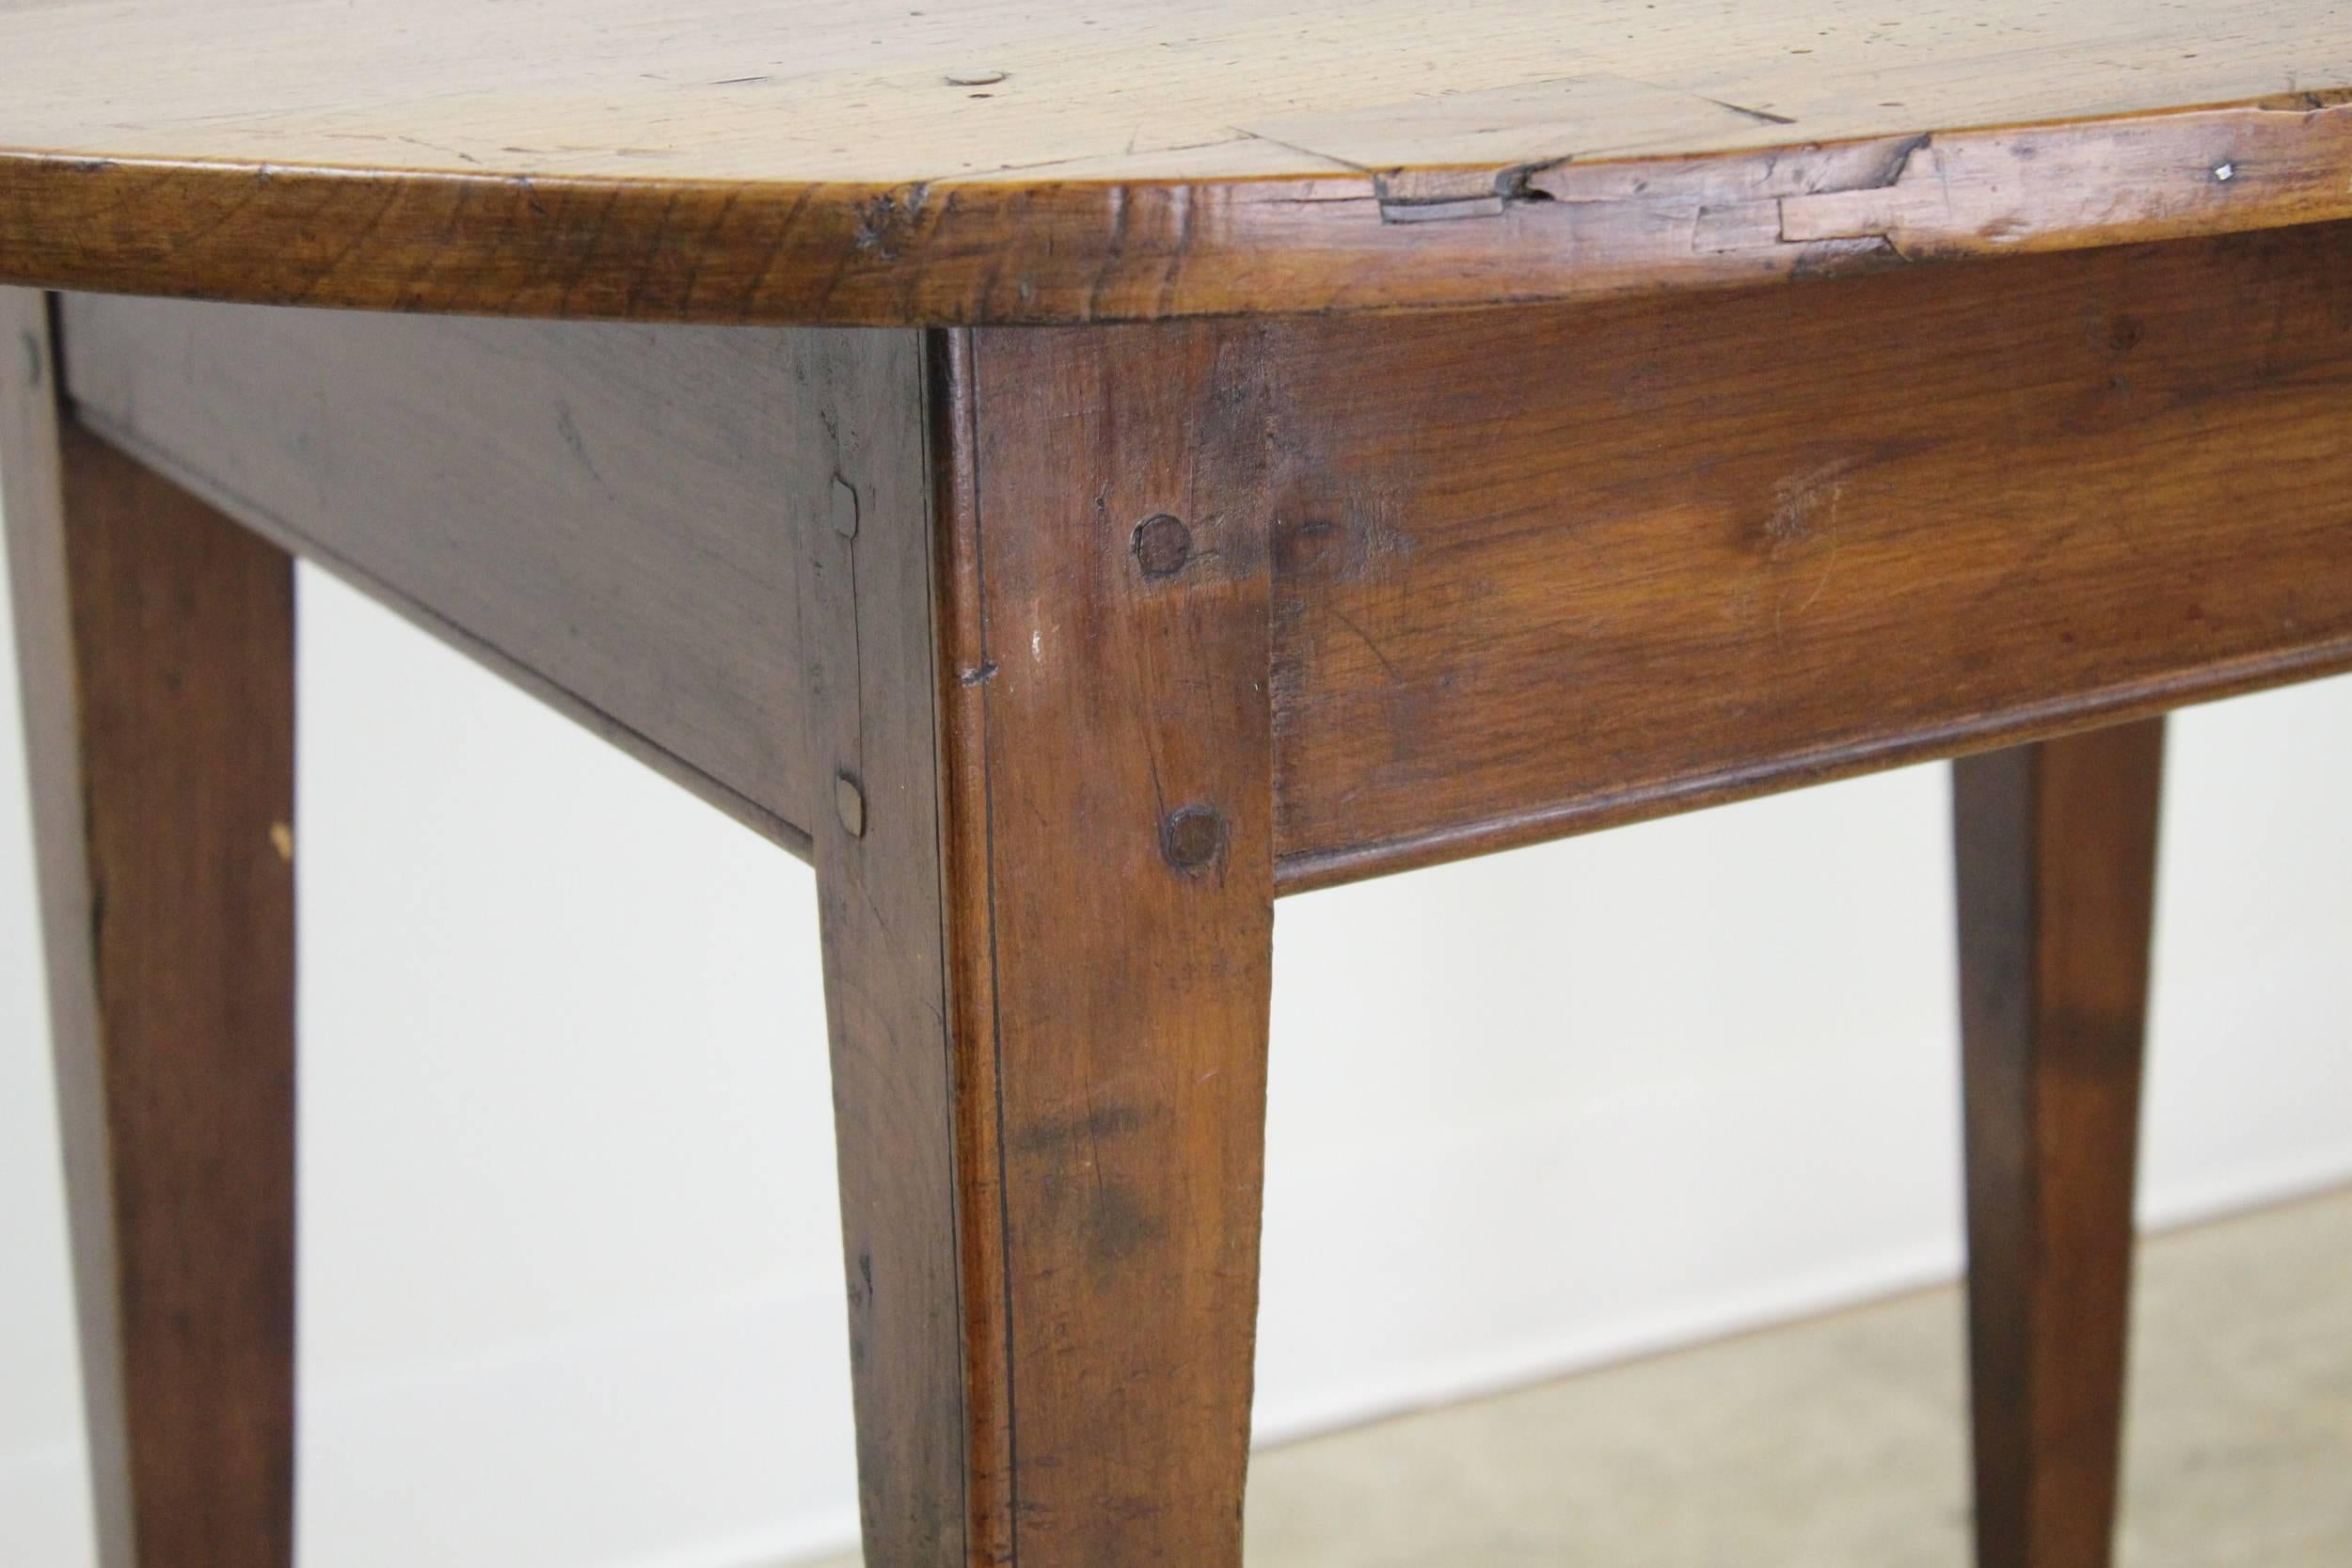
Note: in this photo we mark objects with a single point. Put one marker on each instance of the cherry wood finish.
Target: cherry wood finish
(826, 160)
(1064, 648)
(586, 509)
(1047, 901)
(2057, 860)
(1109, 655)
(1928, 512)
(926, 1385)
(1546, 570)
(156, 642)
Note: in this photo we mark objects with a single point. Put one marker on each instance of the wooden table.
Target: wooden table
(1065, 469)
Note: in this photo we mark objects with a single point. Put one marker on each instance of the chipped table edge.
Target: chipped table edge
(972, 251)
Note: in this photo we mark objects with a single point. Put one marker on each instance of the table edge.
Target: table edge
(1069, 251)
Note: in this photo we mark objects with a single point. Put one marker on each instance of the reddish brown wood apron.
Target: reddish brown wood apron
(1070, 556)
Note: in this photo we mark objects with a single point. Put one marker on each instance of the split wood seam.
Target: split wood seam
(820, 166)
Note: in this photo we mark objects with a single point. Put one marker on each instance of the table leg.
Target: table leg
(1046, 866)
(156, 644)
(2056, 861)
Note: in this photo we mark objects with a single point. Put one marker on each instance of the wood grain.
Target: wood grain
(819, 162)
(1110, 660)
(646, 576)
(156, 648)
(589, 510)
(1707, 548)
(865, 526)
(1047, 908)
(2056, 861)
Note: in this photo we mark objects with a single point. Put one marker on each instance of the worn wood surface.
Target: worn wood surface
(1109, 653)
(590, 510)
(1546, 570)
(2056, 861)
(823, 162)
(1047, 909)
(156, 648)
(862, 518)
(1705, 547)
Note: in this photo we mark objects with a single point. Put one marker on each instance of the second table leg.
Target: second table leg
(156, 641)
(2056, 861)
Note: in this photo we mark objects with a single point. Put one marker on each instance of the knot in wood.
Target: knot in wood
(1162, 545)
(1193, 838)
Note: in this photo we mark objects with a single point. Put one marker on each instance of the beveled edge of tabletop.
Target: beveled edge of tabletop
(975, 252)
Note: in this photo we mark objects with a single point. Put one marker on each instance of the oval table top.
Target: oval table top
(947, 161)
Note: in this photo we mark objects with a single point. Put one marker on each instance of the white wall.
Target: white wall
(571, 1291)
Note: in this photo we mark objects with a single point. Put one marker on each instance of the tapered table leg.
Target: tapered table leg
(156, 639)
(2056, 861)
(1046, 875)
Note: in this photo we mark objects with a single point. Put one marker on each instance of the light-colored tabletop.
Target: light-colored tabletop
(959, 160)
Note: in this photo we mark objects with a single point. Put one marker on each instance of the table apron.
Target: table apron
(1533, 570)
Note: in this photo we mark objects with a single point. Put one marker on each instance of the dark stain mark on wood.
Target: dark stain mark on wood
(862, 1281)
(1119, 1225)
(1100, 1124)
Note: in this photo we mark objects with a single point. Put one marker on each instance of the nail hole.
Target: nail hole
(1162, 545)
(1193, 839)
